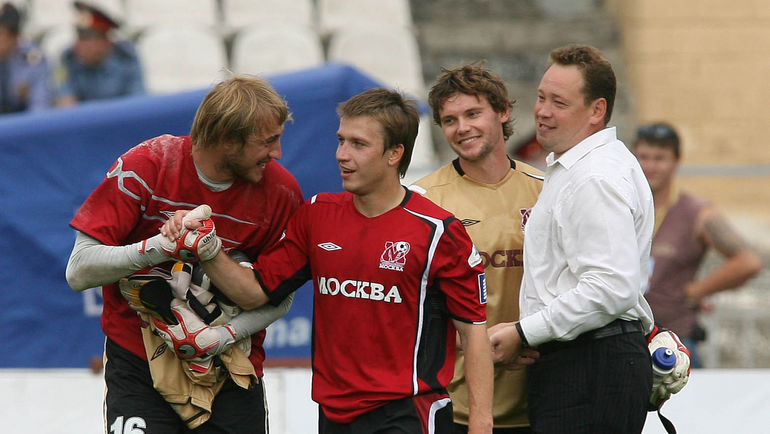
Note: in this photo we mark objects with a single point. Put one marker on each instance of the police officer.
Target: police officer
(97, 67)
(24, 73)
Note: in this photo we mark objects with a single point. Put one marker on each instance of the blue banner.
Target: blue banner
(51, 161)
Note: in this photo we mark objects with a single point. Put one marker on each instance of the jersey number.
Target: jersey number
(133, 425)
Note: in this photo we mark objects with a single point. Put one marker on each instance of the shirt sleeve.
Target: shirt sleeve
(135, 84)
(596, 231)
(113, 209)
(460, 275)
(63, 87)
(285, 266)
(41, 93)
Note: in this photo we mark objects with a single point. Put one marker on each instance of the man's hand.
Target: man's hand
(197, 239)
(192, 339)
(663, 388)
(507, 347)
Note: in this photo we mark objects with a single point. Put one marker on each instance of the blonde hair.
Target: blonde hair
(236, 109)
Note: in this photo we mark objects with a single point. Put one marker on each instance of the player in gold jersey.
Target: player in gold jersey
(492, 195)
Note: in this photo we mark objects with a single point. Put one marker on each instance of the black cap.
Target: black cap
(10, 18)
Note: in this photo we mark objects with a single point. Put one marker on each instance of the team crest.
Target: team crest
(525, 212)
(394, 255)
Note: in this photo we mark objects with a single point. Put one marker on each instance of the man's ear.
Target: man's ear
(394, 154)
(505, 115)
(598, 110)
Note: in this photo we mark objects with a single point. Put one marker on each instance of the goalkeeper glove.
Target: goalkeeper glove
(665, 386)
(200, 244)
(149, 293)
(191, 338)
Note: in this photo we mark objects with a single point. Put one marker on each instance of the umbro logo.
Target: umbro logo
(329, 246)
(469, 222)
(159, 351)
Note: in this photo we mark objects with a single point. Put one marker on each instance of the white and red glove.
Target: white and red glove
(663, 388)
(193, 339)
(149, 292)
(200, 244)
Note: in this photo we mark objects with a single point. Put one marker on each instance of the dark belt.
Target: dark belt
(617, 327)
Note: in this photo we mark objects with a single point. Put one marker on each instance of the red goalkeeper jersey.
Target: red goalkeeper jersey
(386, 290)
(157, 177)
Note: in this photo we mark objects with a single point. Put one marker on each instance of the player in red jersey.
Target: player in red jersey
(227, 162)
(394, 276)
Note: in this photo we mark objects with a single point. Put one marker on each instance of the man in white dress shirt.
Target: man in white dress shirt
(586, 252)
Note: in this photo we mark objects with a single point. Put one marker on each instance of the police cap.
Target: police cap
(92, 18)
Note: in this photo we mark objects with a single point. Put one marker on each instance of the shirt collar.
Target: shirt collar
(574, 154)
(461, 172)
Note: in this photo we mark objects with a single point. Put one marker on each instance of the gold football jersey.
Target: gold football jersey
(494, 216)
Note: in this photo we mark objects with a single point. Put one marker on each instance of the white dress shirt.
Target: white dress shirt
(587, 243)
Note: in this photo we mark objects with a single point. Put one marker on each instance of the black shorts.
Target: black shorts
(421, 414)
(131, 403)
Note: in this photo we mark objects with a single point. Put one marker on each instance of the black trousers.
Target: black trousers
(463, 429)
(132, 405)
(591, 386)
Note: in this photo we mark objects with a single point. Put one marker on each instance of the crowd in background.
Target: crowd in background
(95, 67)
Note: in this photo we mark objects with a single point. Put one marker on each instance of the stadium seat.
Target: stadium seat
(237, 14)
(388, 54)
(182, 57)
(44, 15)
(336, 14)
(266, 49)
(424, 156)
(142, 14)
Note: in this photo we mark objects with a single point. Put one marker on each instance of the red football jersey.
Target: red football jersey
(386, 289)
(157, 177)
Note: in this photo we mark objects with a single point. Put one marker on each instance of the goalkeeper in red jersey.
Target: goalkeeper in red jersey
(227, 162)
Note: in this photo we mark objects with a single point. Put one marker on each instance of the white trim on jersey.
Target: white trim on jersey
(435, 407)
(532, 175)
(418, 189)
(424, 289)
(121, 174)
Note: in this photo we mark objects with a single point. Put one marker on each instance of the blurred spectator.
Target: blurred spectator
(528, 150)
(97, 66)
(685, 228)
(24, 74)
